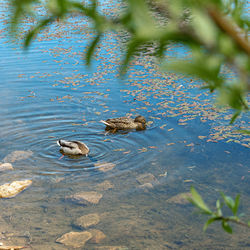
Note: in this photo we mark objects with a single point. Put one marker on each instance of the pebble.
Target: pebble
(17, 156)
(111, 248)
(2, 247)
(88, 220)
(97, 236)
(147, 178)
(180, 198)
(10, 190)
(105, 166)
(85, 198)
(5, 166)
(75, 239)
(146, 186)
(104, 186)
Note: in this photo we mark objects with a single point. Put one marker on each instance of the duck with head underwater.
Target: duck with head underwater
(73, 147)
(123, 123)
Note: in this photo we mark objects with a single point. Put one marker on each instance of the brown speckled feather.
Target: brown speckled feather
(123, 123)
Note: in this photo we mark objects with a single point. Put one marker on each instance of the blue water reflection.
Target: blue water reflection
(47, 93)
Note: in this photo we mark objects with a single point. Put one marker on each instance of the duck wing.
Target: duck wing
(124, 120)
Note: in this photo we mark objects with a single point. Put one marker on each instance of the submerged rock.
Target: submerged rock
(111, 248)
(147, 178)
(75, 239)
(104, 186)
(180, 199)
(105, 166)
(97, 236)
(146, 186)
(85, 198)
(11, 247)
(9, 190)
(88, 220)
(5, 166)
(17, 156)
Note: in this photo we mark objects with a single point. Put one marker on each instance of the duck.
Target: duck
(123, 123)
(73, 147)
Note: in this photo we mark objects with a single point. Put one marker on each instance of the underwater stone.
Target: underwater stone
(146, 186)
(75, 239)
(85, 198)
(180, 199)
(147, 178)
(111, 248)
(104, 186)
(88, 220)
(105, 166)
(17, 156)
(5, 166)
(9, 190)
(97, 236)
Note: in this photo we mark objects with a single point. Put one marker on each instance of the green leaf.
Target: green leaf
(199, 68)
(197, 200)
(32, 33)
(142, 21)
(236, 204)
(234, 117)
(228, 200)
(247, 132)
(211, 220)
(226, 227)
(204, 27)
(91, 49)
(219, 206)
(132, 48)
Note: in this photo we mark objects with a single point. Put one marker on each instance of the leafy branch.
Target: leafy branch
(217, 215)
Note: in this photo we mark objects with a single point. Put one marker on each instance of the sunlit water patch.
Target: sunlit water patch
(48, 94)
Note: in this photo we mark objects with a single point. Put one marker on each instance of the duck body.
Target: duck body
(123, 123)
(73, 147)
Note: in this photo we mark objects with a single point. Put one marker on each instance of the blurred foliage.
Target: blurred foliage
(215, 31)
(217, 215)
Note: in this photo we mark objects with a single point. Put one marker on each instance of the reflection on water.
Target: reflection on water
(47, 94)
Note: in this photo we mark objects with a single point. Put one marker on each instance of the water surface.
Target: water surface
(47, 93)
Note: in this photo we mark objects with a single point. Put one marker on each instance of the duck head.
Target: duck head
(140, 119)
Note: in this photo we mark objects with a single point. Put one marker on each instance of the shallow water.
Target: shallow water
(47, 93)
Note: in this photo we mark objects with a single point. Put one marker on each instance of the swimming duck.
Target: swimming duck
(73, 147)
(122, 123)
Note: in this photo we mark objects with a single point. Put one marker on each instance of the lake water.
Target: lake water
(47, 93)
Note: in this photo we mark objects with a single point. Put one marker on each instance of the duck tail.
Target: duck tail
(105, 122)
(63, 143)
(58, 142)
